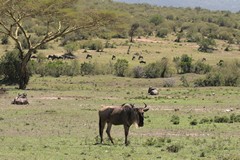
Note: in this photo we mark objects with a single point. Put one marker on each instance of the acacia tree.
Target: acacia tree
(58, 17)
(133, 29)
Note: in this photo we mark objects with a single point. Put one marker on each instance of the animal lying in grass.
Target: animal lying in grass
(126, 115)
(21, 99)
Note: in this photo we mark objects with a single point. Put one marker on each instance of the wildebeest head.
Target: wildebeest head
(140, 115)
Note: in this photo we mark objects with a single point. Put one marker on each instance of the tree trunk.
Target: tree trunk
(24, 74)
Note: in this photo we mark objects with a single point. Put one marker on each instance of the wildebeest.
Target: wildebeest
(113, 57)
(126, 115)
(21, 99)
(88, 56)
(152, 91)
(140, 57)
(133, 57)
(68, 55)
(142, 62)
(53, 57)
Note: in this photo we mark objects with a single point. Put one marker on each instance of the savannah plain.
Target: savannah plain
(61, 120)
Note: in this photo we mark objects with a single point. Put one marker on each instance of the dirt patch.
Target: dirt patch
(146, 40)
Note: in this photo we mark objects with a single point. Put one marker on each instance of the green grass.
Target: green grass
(61, 121)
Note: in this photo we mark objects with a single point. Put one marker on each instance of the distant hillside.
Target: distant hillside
(231, 5)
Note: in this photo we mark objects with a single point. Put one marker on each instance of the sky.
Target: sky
(231, 5)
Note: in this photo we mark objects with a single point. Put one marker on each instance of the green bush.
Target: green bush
(162, 32)
(221, 119)
(204, 120)
(194, 122)
(201, 68)
(9, 67)
(5, 40)
(87, 68)
(55, 68)
(206, 45)
(92, 45)
(185, 63)
(159, 69)
(138, 72)
(234, 118)
(121, 67)
(174, 148)
(228, 74)
(175, 119)
(153, 70)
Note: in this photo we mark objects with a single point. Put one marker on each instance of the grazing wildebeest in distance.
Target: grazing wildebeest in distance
(88, 56)
(140, 57)
(126, 115)
(203, 59)
(52, 57)
(21, 99)
(113, 57)
(133, 58)
(142, 62)
(152, 91)
(68, 55)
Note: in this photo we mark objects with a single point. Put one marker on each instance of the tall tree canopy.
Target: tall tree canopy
(59, 17)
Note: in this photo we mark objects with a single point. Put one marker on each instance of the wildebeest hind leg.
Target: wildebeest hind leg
(109, 126)
(101, 128)
(126, 130)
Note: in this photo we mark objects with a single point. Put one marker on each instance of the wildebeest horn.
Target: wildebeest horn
(123, 104)
(145, 109)
(145, 105)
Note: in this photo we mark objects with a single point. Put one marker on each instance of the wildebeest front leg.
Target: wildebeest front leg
(109, 126)
(126, 130)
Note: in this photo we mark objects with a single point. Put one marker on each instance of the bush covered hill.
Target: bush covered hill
(162, 21)
(230, 5)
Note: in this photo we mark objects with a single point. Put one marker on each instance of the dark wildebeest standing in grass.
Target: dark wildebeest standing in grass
(125, 115)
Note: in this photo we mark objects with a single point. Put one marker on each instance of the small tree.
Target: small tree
(121, 67)
(186, 63)
(132, 31)
(206, 45)
(156, 20)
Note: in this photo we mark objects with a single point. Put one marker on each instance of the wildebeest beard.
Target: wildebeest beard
(140, 119)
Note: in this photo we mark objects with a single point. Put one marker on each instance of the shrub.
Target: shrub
(223, 119)
(55, 68)
(169, 82)
(194, 122)
(204, 120)
(184, 81)
(162, 32)
(201, 68)
(87, 68)
(234, 118)
(174, 148)
(175, 119)
(158, 69)
(92, 45)
(206, 45)
(138, 72)
(71, 47)
(228, 74)
(5, 40)
(9, 67)
(185, 63)
(153, 70)
(121, 67)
